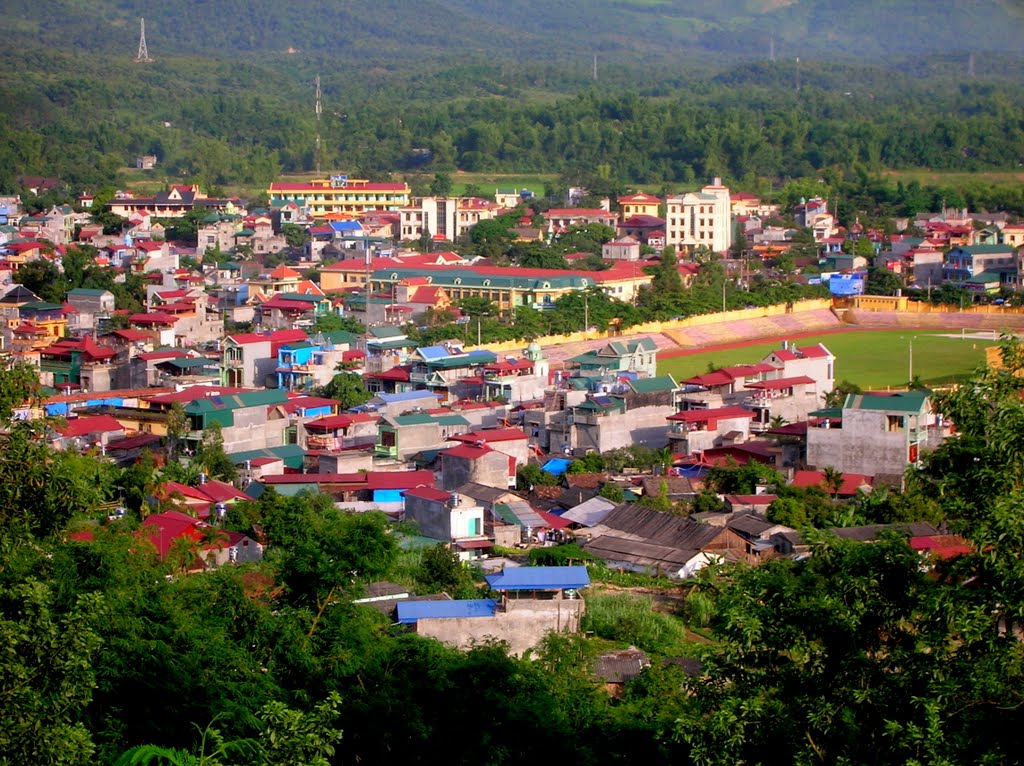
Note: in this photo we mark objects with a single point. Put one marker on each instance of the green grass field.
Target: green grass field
(954, 177)
(871, 359)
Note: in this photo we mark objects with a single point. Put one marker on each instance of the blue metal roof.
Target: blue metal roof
(433, 352)
(539, 578)
(411, 611)
(408, 396)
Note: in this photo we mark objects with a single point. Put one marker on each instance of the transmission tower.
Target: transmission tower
(143, 55)
(319, 109)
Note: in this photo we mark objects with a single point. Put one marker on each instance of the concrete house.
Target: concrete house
(700, 219)
(401, 436)
(876, 434)
(637, 356)
(533, 601)
(479, 464)
(243, 418)
(90, 304)
(448, 518)
(693, 431)
(250, 359)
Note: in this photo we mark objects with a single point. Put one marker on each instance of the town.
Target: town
(482, 381)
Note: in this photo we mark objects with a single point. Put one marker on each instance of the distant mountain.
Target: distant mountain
(509, 30)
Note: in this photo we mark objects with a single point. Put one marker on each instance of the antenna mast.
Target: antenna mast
(319, 109)
(143, 55)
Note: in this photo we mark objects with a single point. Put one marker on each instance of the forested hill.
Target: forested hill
(531, 29)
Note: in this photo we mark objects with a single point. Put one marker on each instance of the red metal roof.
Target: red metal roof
(90, 424)
(709, 379)
(154, 317)
(428, 493)
(490, 435)
(851, 481)
(467, 451)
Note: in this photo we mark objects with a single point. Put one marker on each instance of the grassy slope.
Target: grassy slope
(872, 359)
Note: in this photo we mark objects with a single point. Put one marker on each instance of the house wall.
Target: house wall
(249, 431)
(433, 519)
(490, 469)
(522, 625)
(643, 425)
(862, 445)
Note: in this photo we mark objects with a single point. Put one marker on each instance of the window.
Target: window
(893, 423)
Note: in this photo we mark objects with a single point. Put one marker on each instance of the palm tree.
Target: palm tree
(833, 480)
(777, 422)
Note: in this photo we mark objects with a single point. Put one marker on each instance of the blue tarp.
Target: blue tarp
(387, 495)
(411, 611)
(539, 578)
(556, 466)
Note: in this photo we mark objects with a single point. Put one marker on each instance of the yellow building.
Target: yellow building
(340, 197)
(639, 204)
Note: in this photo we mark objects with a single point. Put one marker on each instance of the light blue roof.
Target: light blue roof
(433, 352)
(346, 226)
(411, 611)
(539, 578)
(407, 396)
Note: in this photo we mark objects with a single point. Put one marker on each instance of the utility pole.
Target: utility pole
(142, 57)
(797, 74)
(771, 48)
(586, 313)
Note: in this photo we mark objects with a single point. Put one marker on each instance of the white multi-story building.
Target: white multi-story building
(449, 217)
(700, 219)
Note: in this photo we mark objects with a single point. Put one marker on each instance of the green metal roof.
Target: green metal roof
(984, 278)
(421, 418)
(986, 249)
(340, 336)
(391, 344)
(40, 306)
(650, 385)
(236, 401)
(462, 360)
(614, 403)
(292, 454)
(469, 278)
(906, 401)
(300, 297)
(88, 291)
(189, 363)
(385, 331)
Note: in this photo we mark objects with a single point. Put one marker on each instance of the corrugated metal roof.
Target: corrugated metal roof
(410, 612)
(539, 578)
